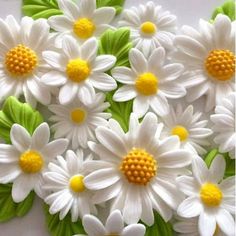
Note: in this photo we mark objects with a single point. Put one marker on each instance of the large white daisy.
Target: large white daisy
(209, 59)
(149, 81)
(77, 70)
(150, 27)
(77, 122)
(209, 197)
(137, 170)
(27, 158)
(224, 125)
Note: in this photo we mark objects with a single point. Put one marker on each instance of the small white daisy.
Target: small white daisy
(64, 180)
(150, 27)
(77, 122)
(150, 82)
(209, 59)
(187, 125)
(77, 70)
(24, 162)
(224, 125)
(209, 197)
(137, 170)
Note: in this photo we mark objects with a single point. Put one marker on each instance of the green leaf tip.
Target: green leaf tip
(117, 4)
(228, 9)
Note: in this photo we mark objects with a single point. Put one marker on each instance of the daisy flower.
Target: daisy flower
(209, 59)
(149, 82)
(24, 162)
(224, 125)
(77, 70)
(150, 27)
(65, 181)
(82, 20)
(137, 170)
(209, 197)
(21, 61)
(77, 121)
(187, 125)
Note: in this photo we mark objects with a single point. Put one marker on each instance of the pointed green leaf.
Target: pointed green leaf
(117, 4)
(228, 9)
(23, 207)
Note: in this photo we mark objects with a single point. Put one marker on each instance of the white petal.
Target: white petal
(54, 78)
(104, 15)
(226, 222)
(93, 226)
(137, 61)
(60, 23)
(124, 75)
(103, 82)
(124, 93)
(200, 170)
(103, 63)
(115, 222)
(206, 224)
(86, 93)
(67, 93)
(69, 9)
(140, 105)
(40, 137)
(188, 185)
(157, 58)
(134, 229)
(160, 105)
(217, 169)
(70, 47)
(89, 49)
(54, 59)
(88, 7)
(6, 36)
(9, 172)
(8, 154)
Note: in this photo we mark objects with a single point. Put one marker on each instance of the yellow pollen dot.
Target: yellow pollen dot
(78, 70)
(84, 28)
(147, 84)
(20, 61)
(139, 166)
(31, 162)
(181, 132)
(78, 115)
(211, 195)
(220, 64)
(148, 28)
(77, 184)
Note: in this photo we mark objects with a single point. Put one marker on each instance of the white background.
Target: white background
(188, 12)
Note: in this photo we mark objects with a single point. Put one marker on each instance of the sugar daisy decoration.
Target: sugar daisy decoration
(137, 170)
(209, 59)
(150, 27)
(149, 81)
(25, 160)
(77, 70)
(209, 197)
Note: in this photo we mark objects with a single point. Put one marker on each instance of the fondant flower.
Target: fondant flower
(209, 59)
(77, 121)
(209, 197)
(187, 125)
(64, 180)
(77, 70)
(21, 62)
(150, 27)
(150, 82)
(137, 170)
(27, 158)
(224, 125)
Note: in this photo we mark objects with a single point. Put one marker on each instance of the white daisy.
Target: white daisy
(27, 158)
(82, 20)
(137, 170)
(187, 125)
(78, 70)
(209, 59)
(77, 122)
(209, 197)
(150, 82)
(64, 180)
(21, 62)
(224, 125)
(150, 27)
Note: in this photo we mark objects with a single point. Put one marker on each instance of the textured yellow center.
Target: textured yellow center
(181, 132)
(77, 184)
(20, 60)
(139, 166)
(31, 162)
(78, 115)
(211, 195)
(220, 64)
(77, 70)
(84, 28)
(148, 28)
(147, 84)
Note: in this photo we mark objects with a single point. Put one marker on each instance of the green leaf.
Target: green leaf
(63, 227)
(228, 9)
(117, 4)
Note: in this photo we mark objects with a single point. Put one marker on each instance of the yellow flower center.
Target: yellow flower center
(20, 60)
(211, 195)
(220, 64)
(31, 162)
(84, 28)
(147, 84)
(78, 70)
(181, 132)
(139, 166)
(77, 183)
(78, 115)
(148, 28)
